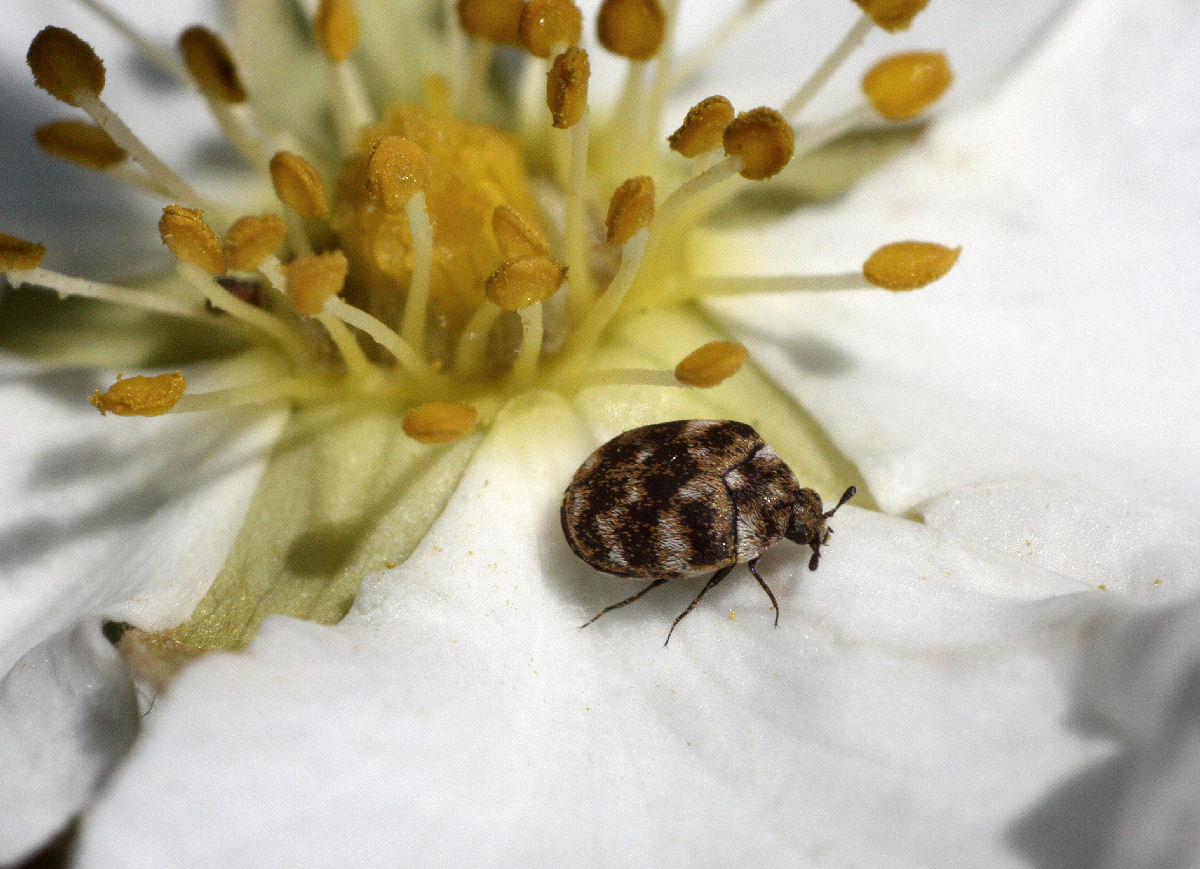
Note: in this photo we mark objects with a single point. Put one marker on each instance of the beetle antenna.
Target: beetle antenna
(846, 496)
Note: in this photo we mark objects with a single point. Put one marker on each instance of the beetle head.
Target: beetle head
(808, 526)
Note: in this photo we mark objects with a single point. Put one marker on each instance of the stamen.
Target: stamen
(397, 169)
(546, 26)
(80, 143)
(630, 209)
(440, 422)
(606, 305)
(711, 364)
(909, 265)
(140, 396)
(190, 239)
(518, 283)
(210, 65)
(905, 85)
(16, 254)
(892, 15)
(567, 87)
(495, 21)
(298, 185)
(849, 43)
(406, 357)
(566, 97)
(358, 366)
(64, 65)
(700, 56)
(515, 235)
(215, 75)
(150, 49)
(634, 29)
(219, 297)
(252, 239)
(67, 68)
(336, 30)
(703, 128)
(312, 278)
(472, 342)
(762, 139)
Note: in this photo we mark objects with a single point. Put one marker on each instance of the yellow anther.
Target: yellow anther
(298, 185)
(80, 143)
(313, 278)
(703, 128)
(711, 364)
(517, 236)
(211, 66)
(17, 254)
(909, 265)
(567, 87)
(631, 28)
(396, 170)
(764, 141)
(903, 86)
(190, 239)
(252, 239)
(140, 396)
(892, 15)
(631, 208)
(492, 20)
(519, 283)
(440, 422)
(335, 28)
(545, 24)
(63, 65)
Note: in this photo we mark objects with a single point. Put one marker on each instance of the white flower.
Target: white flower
(946, 692)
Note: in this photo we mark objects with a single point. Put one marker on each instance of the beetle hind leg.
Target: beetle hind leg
(709, 586)
(627, 600)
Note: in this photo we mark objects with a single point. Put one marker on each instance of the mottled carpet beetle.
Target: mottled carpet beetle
(679, 499)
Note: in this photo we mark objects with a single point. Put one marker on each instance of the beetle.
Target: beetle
(679, 499)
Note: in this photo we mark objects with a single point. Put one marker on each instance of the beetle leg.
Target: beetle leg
(716, 577)
(753, 565)
(627, 600)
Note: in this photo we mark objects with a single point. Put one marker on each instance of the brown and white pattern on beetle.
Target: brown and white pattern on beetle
(684, 498)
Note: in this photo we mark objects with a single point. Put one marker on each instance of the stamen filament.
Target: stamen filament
(702, 54)
(602, 311)
(351, 107)
(620, 377)
(659, 89)
(257, 318)
(158, 171)
(472, 343)
(728, 286)
(524, 370)
(851, 41)
(406, 357)
(412, 329)
(144, 300)
(809, 139)
(358, 366)
(260, 393)
(575, 230)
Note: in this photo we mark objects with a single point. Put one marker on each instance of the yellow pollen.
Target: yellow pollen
(892, 15)
(631, 28)
(397, 169)
(519, 283)
(909, 265)
(190, 239)
(439, 422)
(903, 86)
(495, 21)
(516, 236)
(252, 239)
(16, 254)
(298, 185)
(567, 87)
(630, 209)
(764, 141)
(313, 278)
(80, 143)
(335, 28)
(211, 66)
(140, 396)
(711, 364)
(545, 24)
(703, 128)
(63, 65)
